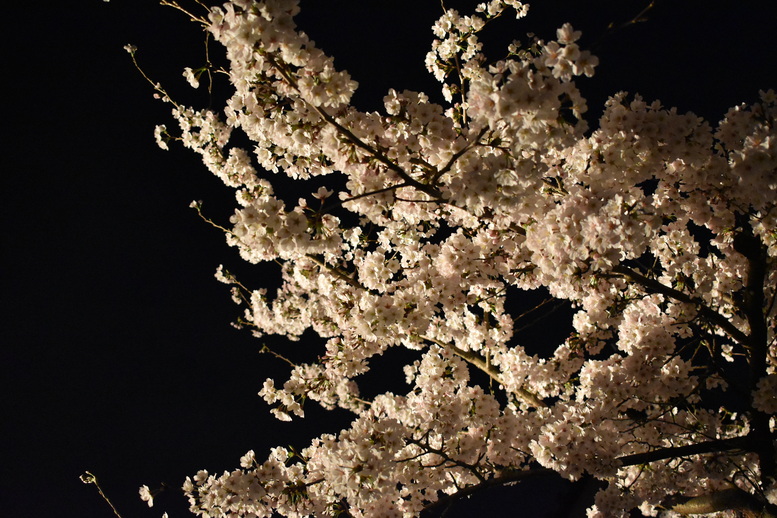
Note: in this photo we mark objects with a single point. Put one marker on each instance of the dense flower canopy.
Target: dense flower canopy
(658, 229)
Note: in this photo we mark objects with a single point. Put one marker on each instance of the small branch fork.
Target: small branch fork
(175, 5)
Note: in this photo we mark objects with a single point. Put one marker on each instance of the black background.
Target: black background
(117, 353)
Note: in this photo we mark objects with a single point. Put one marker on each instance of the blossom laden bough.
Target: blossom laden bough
(659, 230)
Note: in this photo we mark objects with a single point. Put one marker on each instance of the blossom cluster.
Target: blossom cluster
(659, 230)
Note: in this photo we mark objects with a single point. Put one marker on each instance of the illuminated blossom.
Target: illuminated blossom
(655, 229)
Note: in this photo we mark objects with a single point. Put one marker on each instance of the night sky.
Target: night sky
(117, 353)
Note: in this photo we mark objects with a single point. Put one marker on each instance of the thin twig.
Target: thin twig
(192, 17)
(89, 478)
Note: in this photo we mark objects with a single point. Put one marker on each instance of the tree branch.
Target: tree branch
(336, 272)
(709, 313)
(367, 194)
(458, 155)
(735, 443)
(348, 134)
(478, 361)
(507, 477)
(753, 303)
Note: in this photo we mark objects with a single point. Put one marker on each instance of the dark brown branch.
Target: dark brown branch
(753, 303)
(446, 459)
(735, 443)
(508, 477)
(330, 208)
(733, 499)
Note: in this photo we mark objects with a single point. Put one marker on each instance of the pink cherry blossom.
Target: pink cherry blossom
(658, 230)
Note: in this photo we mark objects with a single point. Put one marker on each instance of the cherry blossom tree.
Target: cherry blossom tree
(658, 230)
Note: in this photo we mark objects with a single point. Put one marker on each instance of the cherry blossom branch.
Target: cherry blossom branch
(557, 304)
(367, 194)
(712, 315)
(458, 155)
(336, 272)
(161, 92)
(755, 343)
(457, 64)
(612, 28)
(475, 359)
(717, 501)
(483, 364)
(735, 443)
(348, 134)
(266, 349)
(409, 180)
